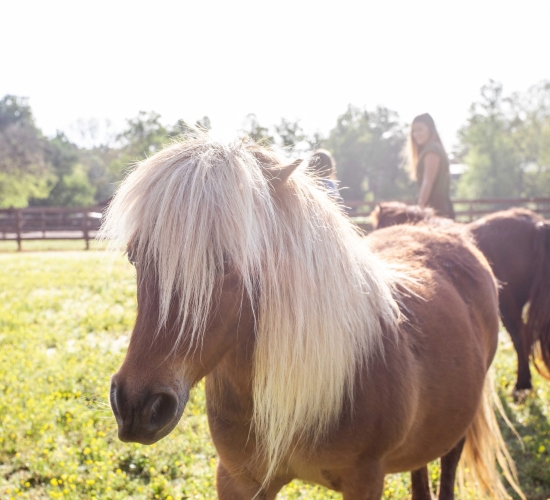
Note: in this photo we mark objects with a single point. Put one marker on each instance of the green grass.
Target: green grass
(48, 245)
(65, 318)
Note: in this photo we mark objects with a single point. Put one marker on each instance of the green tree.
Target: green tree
(24, 169)
(506, 144)
(254, 130)
(204, 123)
(530, 134)
(144, 135)
(102, 169)
(70, 185)
(73, 190)
(489, 150)
(289, 133)
(367, 148)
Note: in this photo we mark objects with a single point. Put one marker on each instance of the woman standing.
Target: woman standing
(430, 166)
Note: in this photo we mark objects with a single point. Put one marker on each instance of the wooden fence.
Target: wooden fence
(83, 223)
(465, 210)
(49, 223)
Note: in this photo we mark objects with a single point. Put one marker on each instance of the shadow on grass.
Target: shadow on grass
(533, 458)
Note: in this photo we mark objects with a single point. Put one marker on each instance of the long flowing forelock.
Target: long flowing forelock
(322, 298)
(186, 210)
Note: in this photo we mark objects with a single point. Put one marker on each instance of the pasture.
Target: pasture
(65, 318)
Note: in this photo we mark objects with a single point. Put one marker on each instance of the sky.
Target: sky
(306, 60)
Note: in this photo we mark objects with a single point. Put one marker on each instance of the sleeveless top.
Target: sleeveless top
(440, 198)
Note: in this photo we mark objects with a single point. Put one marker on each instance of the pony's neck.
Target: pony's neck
(229, 385)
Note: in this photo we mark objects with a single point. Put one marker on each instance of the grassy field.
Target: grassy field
(64, 325)
(10, 246)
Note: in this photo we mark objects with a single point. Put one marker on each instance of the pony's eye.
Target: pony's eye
(130, 255)
(226, 265)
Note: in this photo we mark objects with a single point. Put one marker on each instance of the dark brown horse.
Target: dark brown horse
(328, 357)
(516, 243)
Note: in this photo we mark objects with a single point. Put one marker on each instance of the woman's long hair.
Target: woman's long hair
(412, 151)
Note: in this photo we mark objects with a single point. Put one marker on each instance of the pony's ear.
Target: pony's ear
(279, 174)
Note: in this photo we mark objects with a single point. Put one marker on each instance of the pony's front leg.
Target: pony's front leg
(366, 482)
(242, 486)
(511, 314)
(420, 484)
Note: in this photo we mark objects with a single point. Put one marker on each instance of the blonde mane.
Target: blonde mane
(323, 301)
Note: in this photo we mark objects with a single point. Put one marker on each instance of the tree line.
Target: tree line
(505, 143)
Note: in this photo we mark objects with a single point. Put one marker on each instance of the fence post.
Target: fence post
(85, 229)
(19, 224)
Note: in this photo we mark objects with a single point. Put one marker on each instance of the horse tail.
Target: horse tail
(537, 329)
(485, 448)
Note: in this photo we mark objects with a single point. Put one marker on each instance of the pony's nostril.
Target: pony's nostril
(145, 415)
(113, 399)
(160, 410)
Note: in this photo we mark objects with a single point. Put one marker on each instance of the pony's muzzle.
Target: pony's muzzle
(145, 417)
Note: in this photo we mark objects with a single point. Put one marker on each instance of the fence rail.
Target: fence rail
(49, 223)
(54, 223)
(465, 210)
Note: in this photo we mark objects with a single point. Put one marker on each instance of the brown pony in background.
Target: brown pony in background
(328, 357)
(516, 243)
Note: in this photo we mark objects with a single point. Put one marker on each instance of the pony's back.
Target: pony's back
(392, 213)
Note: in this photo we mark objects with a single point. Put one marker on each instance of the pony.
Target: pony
(328, 357)
(391, 213)
(516, 242)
